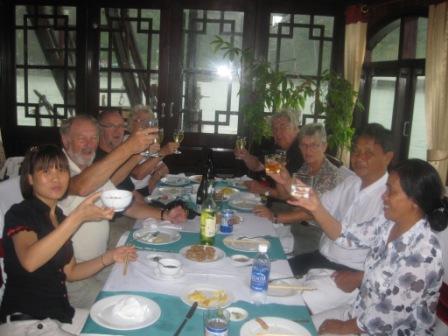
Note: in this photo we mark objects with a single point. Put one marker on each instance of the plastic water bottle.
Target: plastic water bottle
(259, 279)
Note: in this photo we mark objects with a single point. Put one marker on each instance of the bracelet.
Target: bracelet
(162, 212)
(102, 261)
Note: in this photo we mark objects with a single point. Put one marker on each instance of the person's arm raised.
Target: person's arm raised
(33, 252)
(96, 175)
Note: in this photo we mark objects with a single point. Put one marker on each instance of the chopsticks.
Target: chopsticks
(125, 268)
(296, 287)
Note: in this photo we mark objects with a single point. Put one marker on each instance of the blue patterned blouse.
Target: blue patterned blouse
(400, 288)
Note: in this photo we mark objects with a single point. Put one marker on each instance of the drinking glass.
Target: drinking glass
(301, 185)
(150, 124)
(216, 321)
(272, 164)
(281, 156)
(178, 136)
(240, 142)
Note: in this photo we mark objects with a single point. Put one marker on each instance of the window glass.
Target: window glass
(210, 100)
(418, 145)
(45, 39)
(387, 47)
(422, 29)
(129, 57)
(382, 101)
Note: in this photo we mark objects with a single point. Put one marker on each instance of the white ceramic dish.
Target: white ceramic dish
(277, 325)
(240, 260)
(237, 314)
(245, 244)
(169, 266)
(102, 313)
(244, 201)
(116, 199)
(164, 236)
(175, 181)
(207, 296)
(155, 274)
(219, 254)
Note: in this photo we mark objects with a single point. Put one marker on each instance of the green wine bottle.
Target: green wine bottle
(208, 218)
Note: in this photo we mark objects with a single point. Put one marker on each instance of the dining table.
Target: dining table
(142, 278)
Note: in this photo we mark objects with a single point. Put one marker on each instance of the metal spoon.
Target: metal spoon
(157, 260)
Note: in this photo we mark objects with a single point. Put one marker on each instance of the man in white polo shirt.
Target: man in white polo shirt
(79, 136)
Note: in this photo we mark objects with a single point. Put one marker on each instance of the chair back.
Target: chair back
(9, 194)
(11, 168)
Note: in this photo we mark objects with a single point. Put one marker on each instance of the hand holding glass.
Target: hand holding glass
(153, 123)
(178, 136)
(272, 164)
(301, 185)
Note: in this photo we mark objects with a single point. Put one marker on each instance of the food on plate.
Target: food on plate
(207, 299)
(201, 253)
(224, 193)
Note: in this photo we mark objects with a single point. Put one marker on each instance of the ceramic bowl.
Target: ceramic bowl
(174, 266)
(116, 199)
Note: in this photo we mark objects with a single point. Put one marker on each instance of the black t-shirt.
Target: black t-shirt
(126, 184)
(41, 293)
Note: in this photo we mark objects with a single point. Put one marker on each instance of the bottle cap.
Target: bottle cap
(263, 248)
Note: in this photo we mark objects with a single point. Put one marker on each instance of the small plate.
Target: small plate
(218, 254)
(207, 296)
(237, 314)
(244, 201)
(165, 236)
(240, 259)
(175, 181)
(102, 312)
(244, 244)
(277, 325)
(157, 275)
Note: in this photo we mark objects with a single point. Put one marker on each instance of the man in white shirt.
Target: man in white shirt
(357, 200)
(79, 136)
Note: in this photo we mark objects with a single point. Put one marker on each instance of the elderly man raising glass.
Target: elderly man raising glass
(284, 131)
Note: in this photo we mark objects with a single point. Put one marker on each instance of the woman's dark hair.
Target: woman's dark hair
(40, 158)
(421, 182)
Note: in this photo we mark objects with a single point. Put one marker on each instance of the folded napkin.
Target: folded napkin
(130, 308)
(327, 295)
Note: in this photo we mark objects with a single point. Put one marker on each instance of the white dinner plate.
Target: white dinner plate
(175, 181)
(224, 193)
(277, 325)
(207, 296)
(164, 236)
(244, 201)
(244, 244)
(218, 255)
(102, 312)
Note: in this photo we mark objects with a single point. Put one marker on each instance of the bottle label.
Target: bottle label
(208, 225)
(259, 279)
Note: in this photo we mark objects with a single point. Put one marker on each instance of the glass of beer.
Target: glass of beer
(301, 185)
(272, 164)
(178, 136)
(240, 142)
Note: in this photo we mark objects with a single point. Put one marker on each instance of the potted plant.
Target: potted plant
(336, 99)
(263, 88)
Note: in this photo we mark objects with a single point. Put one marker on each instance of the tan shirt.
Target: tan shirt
(90, 241)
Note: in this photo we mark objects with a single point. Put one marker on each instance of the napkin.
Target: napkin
(130, 308)
(327, 295)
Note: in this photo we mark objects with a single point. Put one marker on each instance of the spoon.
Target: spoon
(157, 260)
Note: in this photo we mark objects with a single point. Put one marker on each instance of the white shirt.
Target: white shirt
(351, 205)
(90, 241)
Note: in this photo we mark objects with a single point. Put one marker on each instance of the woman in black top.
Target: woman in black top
(38, 251)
